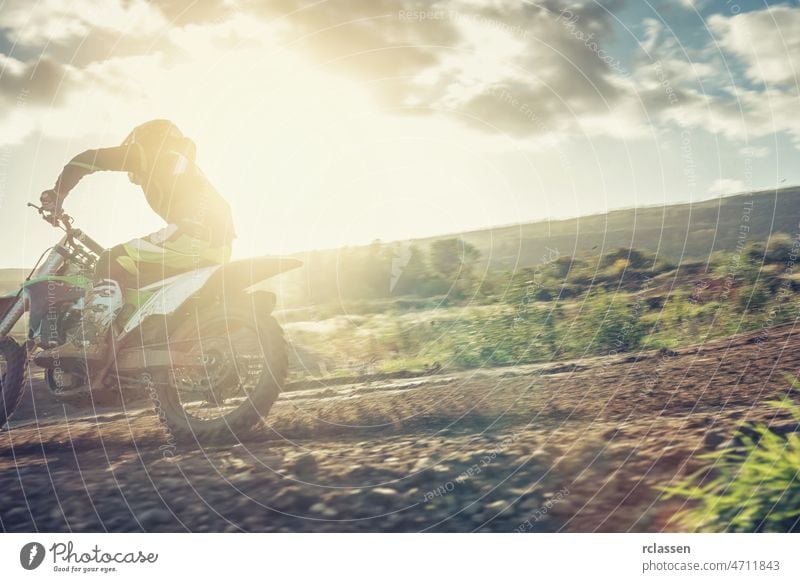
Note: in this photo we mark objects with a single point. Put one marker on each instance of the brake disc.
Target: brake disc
(216, 377)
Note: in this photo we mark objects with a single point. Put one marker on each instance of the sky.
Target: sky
(329, 123)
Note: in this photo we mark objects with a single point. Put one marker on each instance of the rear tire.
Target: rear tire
(13, 373)
(182, 421)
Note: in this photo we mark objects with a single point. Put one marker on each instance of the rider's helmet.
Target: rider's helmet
(156, 138)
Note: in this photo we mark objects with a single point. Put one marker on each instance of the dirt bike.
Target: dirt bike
(202, 345)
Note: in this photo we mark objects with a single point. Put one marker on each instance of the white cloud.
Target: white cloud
(693, 4)
(708, 93)
(43, 22)
(765, 40)
(724, 186)
(755, 151)
(495, 68)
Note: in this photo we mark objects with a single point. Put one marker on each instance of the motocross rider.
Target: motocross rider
(199, 231)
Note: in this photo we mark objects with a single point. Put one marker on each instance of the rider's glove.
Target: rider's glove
(51, 201)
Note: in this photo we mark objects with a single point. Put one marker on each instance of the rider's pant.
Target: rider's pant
(160, 255)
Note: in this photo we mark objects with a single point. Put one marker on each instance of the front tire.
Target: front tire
(244, 367)
(13, 373)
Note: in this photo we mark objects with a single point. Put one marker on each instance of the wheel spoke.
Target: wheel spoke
(232, 364)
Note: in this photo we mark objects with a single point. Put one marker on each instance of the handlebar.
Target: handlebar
(64, 221)
(59, 219)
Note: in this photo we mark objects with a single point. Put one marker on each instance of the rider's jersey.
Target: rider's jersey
(174, 186)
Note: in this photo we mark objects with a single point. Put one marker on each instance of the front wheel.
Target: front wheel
(241, 365)
(13, 370)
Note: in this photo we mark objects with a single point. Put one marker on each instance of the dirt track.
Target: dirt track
(573, 446)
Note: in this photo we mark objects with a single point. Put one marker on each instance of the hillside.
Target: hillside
(10, 279)
(678, 233)
(675, 232)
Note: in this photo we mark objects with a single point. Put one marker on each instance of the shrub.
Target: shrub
(611, 323)
(752, 298)
(632, 258)
(755, 487)
(779, 248)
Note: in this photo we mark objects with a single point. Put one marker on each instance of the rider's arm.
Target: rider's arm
(126, 158)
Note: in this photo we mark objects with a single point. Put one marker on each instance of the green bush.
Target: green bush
(754, 488)
(779, 248)
(752, 298)
(611, 323)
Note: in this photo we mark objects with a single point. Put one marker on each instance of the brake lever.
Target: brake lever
(53, 218)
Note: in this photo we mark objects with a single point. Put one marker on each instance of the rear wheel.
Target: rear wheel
(241, 363)
(13, 371)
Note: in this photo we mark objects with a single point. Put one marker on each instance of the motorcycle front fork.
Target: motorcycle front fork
(50, 266)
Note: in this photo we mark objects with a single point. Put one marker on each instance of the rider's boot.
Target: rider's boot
(89, 342)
